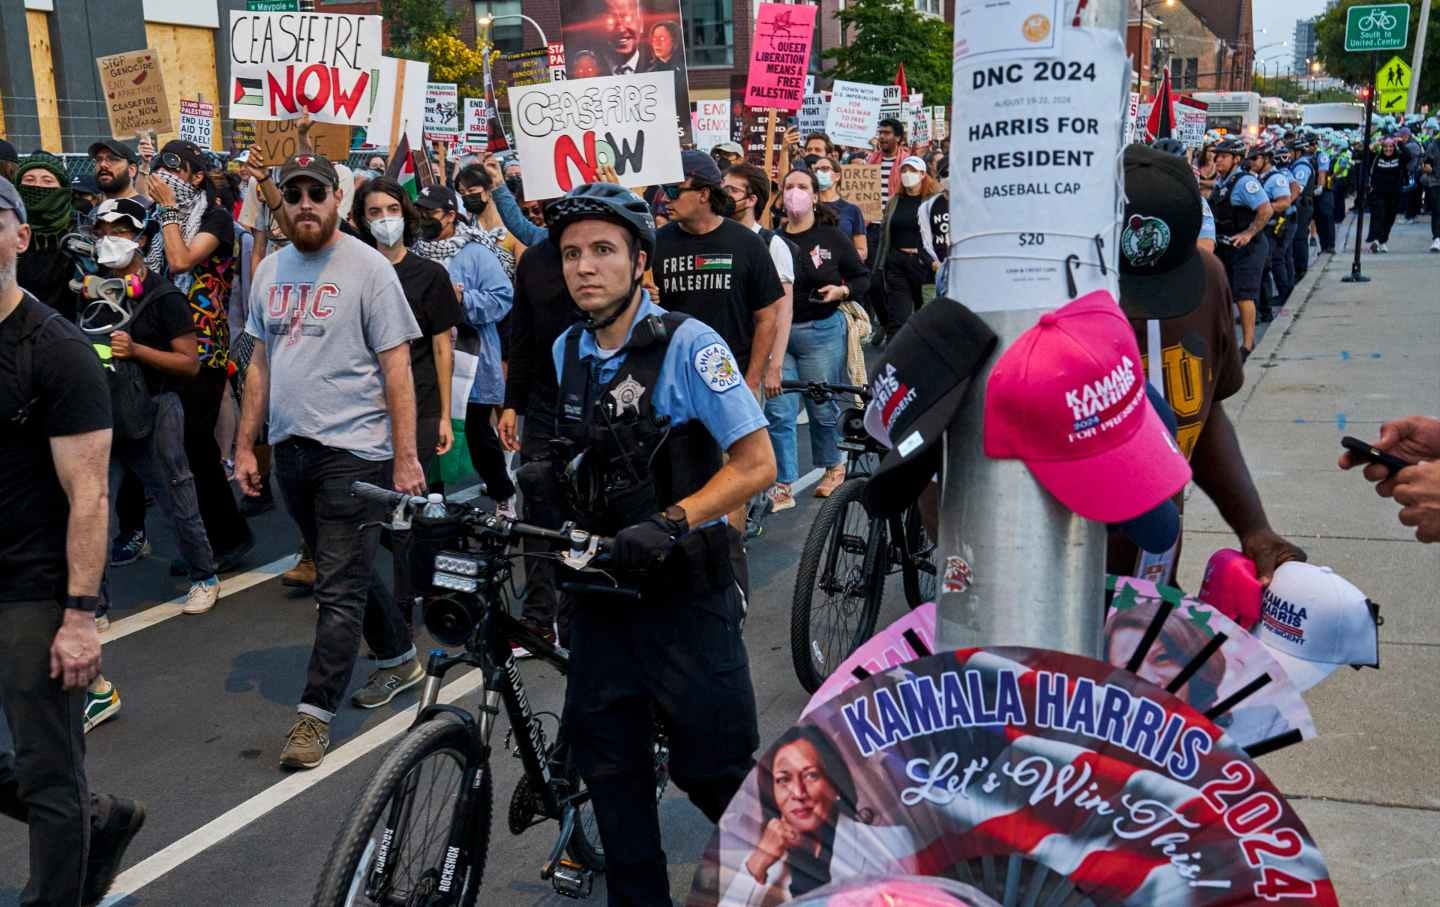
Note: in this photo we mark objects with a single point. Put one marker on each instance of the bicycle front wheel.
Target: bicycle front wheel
(837, 591)
(395, 846)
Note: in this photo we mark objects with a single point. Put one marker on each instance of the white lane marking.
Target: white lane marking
(223, 826)
(808, 479)
(229, 585)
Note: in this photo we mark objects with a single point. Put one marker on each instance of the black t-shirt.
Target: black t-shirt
(165, 318)
(905, 223)
(825, 256)
(45, 272)
(722, 277)
(431, 296)
(71, 397)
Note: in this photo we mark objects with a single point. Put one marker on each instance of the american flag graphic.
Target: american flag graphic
(1119, 828)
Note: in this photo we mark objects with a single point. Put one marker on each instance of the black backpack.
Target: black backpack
(132, 409)
(33, 319)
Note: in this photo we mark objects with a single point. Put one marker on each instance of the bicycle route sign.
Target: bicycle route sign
(1381, 27)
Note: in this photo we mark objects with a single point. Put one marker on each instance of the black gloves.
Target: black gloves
(646, 545)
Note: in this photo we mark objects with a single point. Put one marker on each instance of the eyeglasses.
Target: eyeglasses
(675, 190)
(736, 192)
(317, 194)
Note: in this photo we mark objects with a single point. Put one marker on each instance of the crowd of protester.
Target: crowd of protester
(191, 277)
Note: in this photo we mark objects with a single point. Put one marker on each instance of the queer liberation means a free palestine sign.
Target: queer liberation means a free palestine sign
(285, 64)
(564, 131)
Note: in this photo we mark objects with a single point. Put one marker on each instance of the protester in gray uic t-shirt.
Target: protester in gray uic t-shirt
(323, 320)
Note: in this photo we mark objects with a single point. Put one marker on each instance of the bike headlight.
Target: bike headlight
(455, 583)
(451, 562)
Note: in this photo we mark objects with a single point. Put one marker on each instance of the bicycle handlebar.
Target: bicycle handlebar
(823, 389)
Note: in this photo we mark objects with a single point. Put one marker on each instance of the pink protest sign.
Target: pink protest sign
(780, 56)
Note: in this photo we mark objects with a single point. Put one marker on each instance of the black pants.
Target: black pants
(315, 481)
(43, 784)
(1282, 267)
(545, 506)
(1433, 195)
(682, 660)
(905, 277)
(1300, 246)
(1325, 221)
(486, 454)
(201, 398)
(1412, 200)
(1384, 206)
(130, 505)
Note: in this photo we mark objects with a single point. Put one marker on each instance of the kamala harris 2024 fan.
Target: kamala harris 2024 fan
(1038, 777)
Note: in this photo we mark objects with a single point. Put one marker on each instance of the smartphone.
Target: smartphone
(1368, 453)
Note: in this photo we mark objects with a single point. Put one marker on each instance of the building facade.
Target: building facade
(1304, 43)
(1208, 45)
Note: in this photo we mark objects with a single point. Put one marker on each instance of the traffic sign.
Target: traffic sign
(1390, 102)
(1381, 27)
(1394, 76)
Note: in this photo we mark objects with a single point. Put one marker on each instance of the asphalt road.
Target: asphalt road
(207, 701)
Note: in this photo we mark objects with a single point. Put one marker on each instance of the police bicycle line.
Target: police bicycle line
(420, 831)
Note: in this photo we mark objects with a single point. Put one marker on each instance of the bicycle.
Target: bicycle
(1377, 20)
(420, 832)
(849, 555)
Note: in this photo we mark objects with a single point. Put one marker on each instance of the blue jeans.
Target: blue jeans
(816, 352)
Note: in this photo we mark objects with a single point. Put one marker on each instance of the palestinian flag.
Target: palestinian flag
(1161, 124)
(713, 262)
(402, 169)
(904, 85)
(247, 91)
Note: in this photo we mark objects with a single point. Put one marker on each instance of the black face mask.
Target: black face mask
(514, 184)
(430, 228)
(476, 204)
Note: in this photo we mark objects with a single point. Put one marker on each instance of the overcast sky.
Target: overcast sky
(1278, 17)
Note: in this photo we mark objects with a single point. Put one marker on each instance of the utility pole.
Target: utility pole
(1417, 57)
(1016, 566)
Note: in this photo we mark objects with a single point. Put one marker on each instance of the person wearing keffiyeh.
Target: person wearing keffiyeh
(199, 250)
(44, 269)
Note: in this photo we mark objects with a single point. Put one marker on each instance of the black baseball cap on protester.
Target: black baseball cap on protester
(7, 152)
(1161, 272)
(115, 147)
(435, 198)
(187, 152)
(917, 387)
(315, 166)
(700, 168)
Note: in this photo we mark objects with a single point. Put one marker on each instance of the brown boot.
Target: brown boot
(302, 575)
(834, 477)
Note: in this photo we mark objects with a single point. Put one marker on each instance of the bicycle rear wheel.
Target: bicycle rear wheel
(917, 567)
(837, 593)
(394, 848)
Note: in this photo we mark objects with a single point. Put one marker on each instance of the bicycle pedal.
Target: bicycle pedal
(573, 880)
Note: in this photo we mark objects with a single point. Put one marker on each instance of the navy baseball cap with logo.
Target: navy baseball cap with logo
(435, 198)
(1161, 272)
(916, 389)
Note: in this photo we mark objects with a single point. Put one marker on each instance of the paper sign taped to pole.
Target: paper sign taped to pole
(134, 89)
(564, 131)
(780, 55)
(285, 64)
(710, 123)
(988, 30)
(854, 113)
(399, 103)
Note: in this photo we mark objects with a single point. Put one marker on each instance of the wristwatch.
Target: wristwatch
(83, 603)
(677, 517)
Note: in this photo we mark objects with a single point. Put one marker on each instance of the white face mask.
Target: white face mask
(115, 251)
(910, 179)
(825, 178)
(388, 231)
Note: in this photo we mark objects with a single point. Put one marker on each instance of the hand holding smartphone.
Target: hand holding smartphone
(1369, 453)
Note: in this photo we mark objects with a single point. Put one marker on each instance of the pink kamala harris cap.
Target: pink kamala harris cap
(1068, 398)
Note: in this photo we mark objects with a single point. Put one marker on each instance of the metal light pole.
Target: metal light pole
(1036, 570)
(1417, 57)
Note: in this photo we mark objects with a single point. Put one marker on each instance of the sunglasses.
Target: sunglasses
(317, 194)
(673, 192)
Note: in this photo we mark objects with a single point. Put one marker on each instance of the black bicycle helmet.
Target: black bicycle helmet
(1230, 146)
(1170, 146)
(603, 201)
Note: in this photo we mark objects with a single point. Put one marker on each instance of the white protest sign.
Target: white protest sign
(197, 122)
(442, 111)
(285, 64)
(710, 123)
(854, 113)
(1190, 122)
(919, 125)
(400, 103)
(811, 116)
(990, 29)
(892, 105)
(565, 130)
(938, 131)
(1034, 197)
(477, 135)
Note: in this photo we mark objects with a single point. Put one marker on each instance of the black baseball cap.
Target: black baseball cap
(115, 147)
(916, 389)
(188, 152)
(436, 198)
(700, 168)
(314, 166)
(113, 209)
(85, 184)
(1161, 272)
(7, 152)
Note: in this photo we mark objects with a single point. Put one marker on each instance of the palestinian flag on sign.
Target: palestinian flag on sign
(402, 169)
(247, 91)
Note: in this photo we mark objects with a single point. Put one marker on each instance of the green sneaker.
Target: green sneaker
(306, 743)
(386, 683)
(100, 707)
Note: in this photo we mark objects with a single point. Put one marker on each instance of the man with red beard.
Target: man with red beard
(333, 330)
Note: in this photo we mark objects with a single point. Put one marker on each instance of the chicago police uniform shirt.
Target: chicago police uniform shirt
(1247, 192)
(722, 278)
(324, 317)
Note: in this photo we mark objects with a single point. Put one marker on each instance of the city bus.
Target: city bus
(1335, 116)
(1277, 111)
(1231, 112)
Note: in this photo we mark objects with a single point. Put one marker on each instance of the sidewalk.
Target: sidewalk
(1341, 359)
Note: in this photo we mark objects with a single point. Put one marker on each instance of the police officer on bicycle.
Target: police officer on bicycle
(649, 400)
(1241, 212)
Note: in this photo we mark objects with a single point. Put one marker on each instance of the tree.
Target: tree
(882, 33)
(413, 21)
(1355, 67)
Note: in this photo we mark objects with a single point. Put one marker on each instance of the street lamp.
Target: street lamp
(487, 19)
